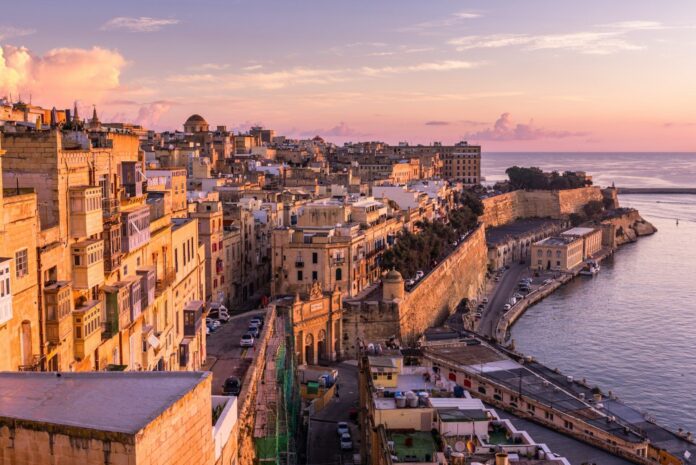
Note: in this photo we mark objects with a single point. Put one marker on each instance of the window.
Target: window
(567, 424)
(315, 276)
(315, 257)
(339, 274)
(22, 263)
(558, 263)
(214, 247)
(548, 416)
(299, 275)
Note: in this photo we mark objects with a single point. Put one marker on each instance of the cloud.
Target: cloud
(341, 130)
(504, 129)
(592, 43)
(452, 20)
(447, 65)
(149, 115)
(437, 123)
(271, 80)
(7, 32)
(607, 39)
(673, 124)
(62, 75)
(252, 67)
(140, 24)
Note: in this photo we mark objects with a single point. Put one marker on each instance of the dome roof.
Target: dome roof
(393, 275)
(196, 119)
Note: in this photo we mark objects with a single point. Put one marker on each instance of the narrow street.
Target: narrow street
(225, 357)
(323, 441)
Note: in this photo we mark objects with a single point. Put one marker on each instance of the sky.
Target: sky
(533, 75)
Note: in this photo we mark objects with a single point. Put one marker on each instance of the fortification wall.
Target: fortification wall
(460, 276)
(506, 208)
(626, 226)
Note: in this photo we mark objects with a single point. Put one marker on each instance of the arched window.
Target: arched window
(339, 274)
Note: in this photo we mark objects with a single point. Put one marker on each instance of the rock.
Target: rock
(644, 228)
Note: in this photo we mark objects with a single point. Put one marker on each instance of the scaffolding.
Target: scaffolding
(278, 400)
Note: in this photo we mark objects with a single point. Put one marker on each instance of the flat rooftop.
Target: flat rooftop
(578, 231)
(557, 241)
(102, 401)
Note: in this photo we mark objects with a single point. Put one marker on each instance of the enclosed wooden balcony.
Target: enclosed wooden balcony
(88, 263)
(85, 211)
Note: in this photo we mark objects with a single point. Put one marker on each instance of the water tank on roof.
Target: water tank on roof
(400, 401)
(412, 399)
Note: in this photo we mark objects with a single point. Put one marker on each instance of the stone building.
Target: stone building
(316, 319)
(99, 258)
(149, 418)
(557, 253)
(344, 255)
(591, 240)
(512, 243)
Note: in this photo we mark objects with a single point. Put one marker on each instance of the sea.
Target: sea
(631, 329)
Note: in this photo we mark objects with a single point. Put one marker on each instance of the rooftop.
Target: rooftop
(557, 241)
(103, 401)
(518, 228)
(418, 446)
(578, 231)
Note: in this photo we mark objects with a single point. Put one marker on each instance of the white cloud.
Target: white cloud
(252, 67)
(271, 80)
(504, 129)
(62, 74)
(607, 39)
(7, 32)
(140, 24)
(149, 115)
(452, 20)
(594, 43)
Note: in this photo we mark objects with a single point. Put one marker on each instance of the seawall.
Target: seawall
(511, 206)
(623, 226)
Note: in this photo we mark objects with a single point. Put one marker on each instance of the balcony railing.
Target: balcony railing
(299, 264)
(35, 364)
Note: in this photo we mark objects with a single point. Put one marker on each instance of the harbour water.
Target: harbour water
(630, 329)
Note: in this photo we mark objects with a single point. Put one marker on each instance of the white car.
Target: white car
(342, 428)
(215, 324)
(346, 442)
(221, 315)
(506, 307)
(247, 340)
(419, 274)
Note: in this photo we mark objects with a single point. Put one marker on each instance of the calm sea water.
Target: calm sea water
(632, 328)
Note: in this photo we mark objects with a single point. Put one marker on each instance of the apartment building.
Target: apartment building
(92, 260)
(343, 255)
(591, 240)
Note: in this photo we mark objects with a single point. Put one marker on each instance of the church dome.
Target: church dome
(196, 123)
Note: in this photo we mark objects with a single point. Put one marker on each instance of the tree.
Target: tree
(593, 208)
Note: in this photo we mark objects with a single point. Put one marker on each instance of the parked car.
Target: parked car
(257, 321)
(518, 296)
(342, 428)
(497, 278)
(485, 300)
(548, 281)
(506, 307)
(419, 274)
(207, 329)
(232, 386)
(346, 442)
(253, 330)
(247, 340)
(221, 315)
(254, 324)
(212, 323)
(410, 282)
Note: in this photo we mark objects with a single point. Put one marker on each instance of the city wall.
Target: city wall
(625, 226)
(506, 208)
(462, 275)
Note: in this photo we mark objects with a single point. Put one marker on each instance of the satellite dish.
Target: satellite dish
(460, 446)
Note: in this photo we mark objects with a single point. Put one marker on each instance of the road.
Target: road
(499, 297)
(323, 442)
(225, 357)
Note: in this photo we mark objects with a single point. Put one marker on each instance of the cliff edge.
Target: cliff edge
(627, 225)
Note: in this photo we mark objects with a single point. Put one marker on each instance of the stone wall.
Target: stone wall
(625, 226)
(506, 208)
(461, 275)
(368, 321)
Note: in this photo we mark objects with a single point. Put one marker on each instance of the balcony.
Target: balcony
(193, 318)
(87, 328)
(148, 280)
(299, 264)
(5, 291)
(85, 211)
(338, 260)
(112, 246)
(58, 304)
(184, 352)
(135, 228)
(135, 298)
(118, 310)
(88, 264)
